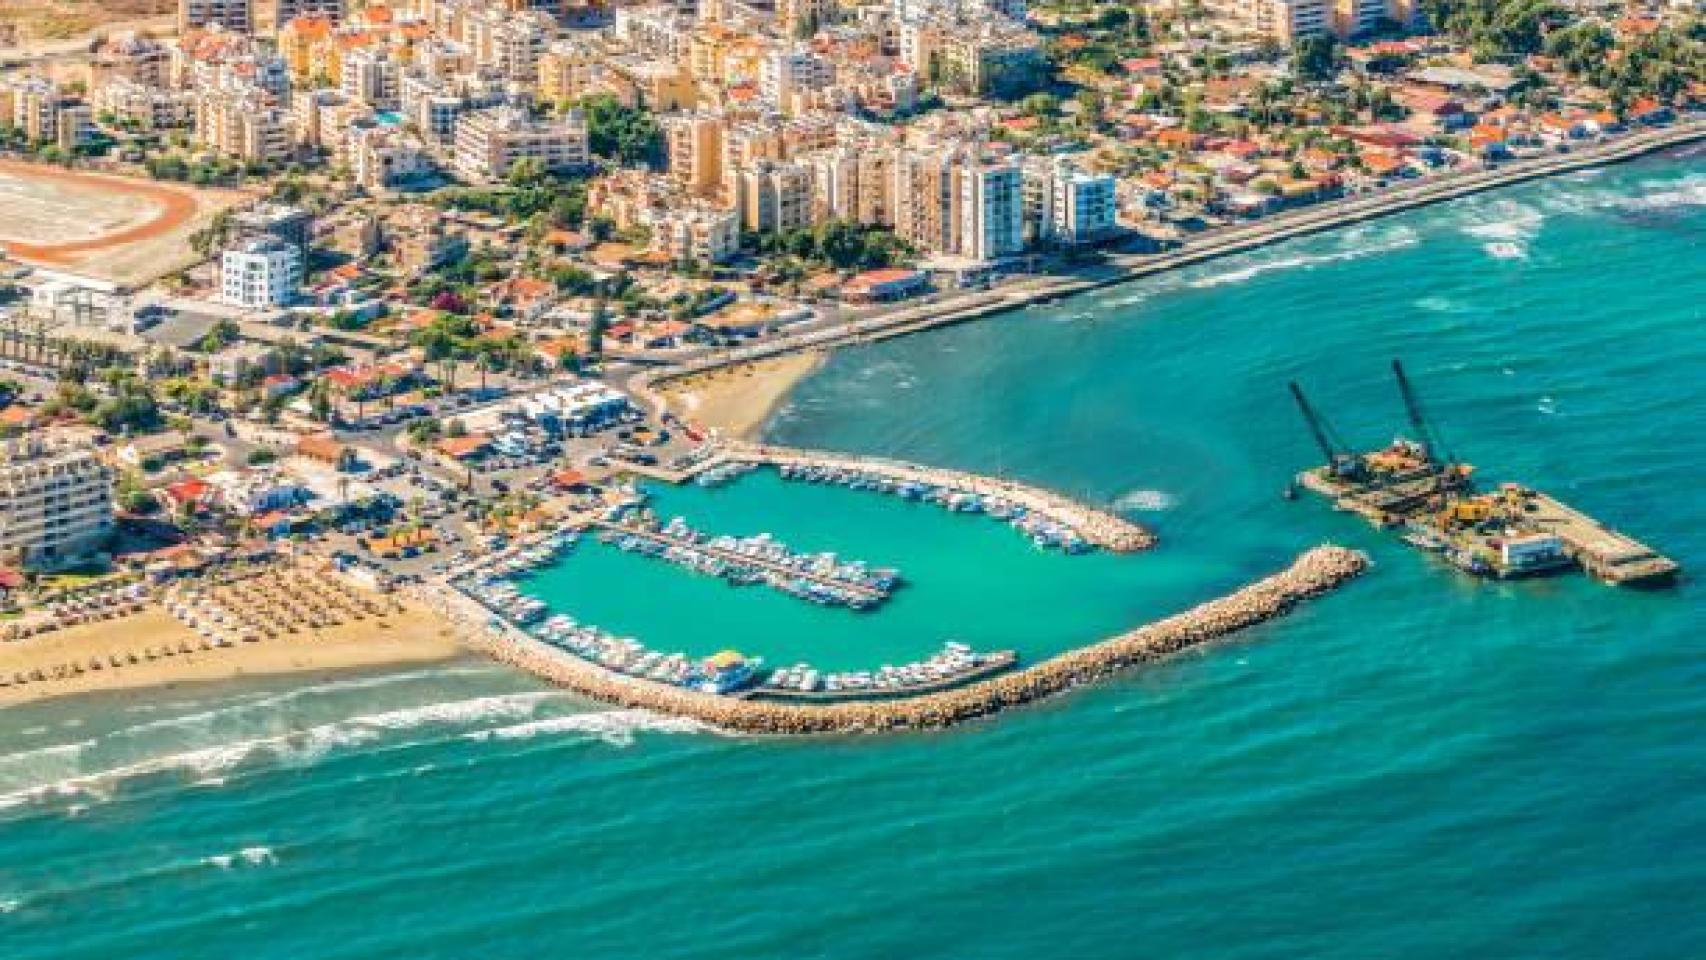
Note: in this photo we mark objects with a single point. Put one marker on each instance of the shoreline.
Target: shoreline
(1125, 268)
(738, 400)
(153, 650)
(1313, 573)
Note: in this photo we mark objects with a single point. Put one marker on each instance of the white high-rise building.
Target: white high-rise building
(992, 217)
(1073, 207)
(56, 502)
(260, 273)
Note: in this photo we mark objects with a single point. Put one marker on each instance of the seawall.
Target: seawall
(1313, 573)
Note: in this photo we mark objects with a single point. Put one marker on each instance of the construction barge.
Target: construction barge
(1513, 531)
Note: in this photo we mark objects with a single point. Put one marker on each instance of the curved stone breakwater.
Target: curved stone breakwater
(1097, 527)
(1313, 573)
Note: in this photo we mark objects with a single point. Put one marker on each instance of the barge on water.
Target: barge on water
(1415, 485)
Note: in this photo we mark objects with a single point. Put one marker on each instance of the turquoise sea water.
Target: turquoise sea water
(1417, 766)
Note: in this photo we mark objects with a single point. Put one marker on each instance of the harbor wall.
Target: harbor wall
(1313, 573)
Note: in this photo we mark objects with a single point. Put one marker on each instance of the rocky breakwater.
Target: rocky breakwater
(1313, 573)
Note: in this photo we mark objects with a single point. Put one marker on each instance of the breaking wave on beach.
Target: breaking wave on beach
(1351, 244)
(96, 769)
(1505, 228)
(615, 727)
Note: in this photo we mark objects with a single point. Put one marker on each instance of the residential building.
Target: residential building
(145, 107)
(128, 56)
(56, 501)
(489, 142)
(1068, 207)
(773, 196)
(260, 273)
(788, 71)
(234, 15)
(371, 76)
(695, 149)
(992, 205)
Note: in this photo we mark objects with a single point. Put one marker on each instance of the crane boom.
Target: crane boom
(1419, 423)
(1340, 460)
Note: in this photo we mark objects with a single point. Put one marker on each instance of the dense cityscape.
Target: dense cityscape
(476, 473)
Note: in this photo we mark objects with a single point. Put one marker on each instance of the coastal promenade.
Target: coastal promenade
(1123, 268)
(1313, 573)
(1097, 527)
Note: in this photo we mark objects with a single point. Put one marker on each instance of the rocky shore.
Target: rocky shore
(1313, 573)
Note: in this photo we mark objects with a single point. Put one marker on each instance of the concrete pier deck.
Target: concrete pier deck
(1607, 554)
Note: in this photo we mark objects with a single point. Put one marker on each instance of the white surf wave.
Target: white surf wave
(1667, 195)
(209, 765)
(1505, 228)
(616, 727)
(1353, 245)
(247, 857)
(222, 710)
(1146, 500)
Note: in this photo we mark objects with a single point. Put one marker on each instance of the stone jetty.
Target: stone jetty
(1097, 527)
(1313, 573)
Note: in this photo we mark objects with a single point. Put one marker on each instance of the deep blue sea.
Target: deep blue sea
(1417, 766)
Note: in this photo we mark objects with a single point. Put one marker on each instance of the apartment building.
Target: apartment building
(696, 232)
(489, 142)
(238, 16)
(992, 211)
(567, 70)
(243, 125)
(371, 76)
(788, 71)
(128, 56)
(32, 105)
(773, 196)
(1065, 206)
(56, 502)
(695, 148)
(145, 107)
(260, 273)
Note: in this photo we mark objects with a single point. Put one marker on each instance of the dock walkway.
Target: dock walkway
(864, 591)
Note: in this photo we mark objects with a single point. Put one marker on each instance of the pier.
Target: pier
(1096, 527)
(870, 596)
(1313, 573)
(1607, 554)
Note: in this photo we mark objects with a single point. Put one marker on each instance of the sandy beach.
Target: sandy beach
(410, 636)
(736, 400)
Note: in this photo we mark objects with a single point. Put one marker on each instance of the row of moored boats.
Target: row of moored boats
(1043, 531)
(955, 661)
(821, 578)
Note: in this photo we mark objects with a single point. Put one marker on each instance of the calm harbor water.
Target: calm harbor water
(1417, 766)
